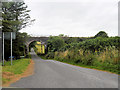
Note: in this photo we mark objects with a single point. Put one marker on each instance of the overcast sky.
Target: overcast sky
(81, 18)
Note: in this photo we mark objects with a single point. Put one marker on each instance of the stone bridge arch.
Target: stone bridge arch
(40, 39)
(43, 40)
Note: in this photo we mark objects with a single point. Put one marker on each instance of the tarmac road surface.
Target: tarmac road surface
(54, 74)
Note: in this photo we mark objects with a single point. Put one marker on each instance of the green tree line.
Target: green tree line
(100, 51)
(15, 17)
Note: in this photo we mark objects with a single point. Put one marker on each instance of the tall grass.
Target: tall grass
(105, 60)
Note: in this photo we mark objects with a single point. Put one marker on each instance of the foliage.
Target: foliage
(54, 43)
(28, 55)
(100, 52)
(101, 34)
(98, 44)
(50, 55)
(15, 16)
(74, 40)
(19, 48)
(61, 35)
(106, 60)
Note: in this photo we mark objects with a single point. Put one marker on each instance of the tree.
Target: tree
(55, 43)
(15, 17)
(61, 35)
(101, 34)
(20, 48)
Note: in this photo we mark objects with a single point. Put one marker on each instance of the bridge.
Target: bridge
(43, 40)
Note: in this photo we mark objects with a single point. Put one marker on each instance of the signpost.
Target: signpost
(0, 45)
(3, 48)
(9, 36)
(11, 48)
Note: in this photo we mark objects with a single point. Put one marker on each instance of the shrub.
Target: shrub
(98, 52)
(55, 43)
(50, 55)
(101, 34)
(28, 55)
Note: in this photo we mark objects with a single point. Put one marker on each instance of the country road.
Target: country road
(54, 74)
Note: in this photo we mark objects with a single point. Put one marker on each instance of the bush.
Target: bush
(50, 55)
(54, 43)
(89, 59)
(101, 34)
(106, 60)
(28, 55)
(98, 52)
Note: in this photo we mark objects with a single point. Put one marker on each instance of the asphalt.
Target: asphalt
(54, 74)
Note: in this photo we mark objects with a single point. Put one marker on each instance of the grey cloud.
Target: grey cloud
(75, 19)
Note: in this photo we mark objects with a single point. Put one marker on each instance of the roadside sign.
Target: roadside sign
(7, 35)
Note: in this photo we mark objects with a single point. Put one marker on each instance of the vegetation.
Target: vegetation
(15, 17)
(101, 34)
(98, 44)
(106, 60)
(0, 74)
(18, 67)
(54, 43)
(100, 52)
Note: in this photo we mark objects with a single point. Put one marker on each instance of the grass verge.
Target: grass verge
(0, 74)
(13, 73)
